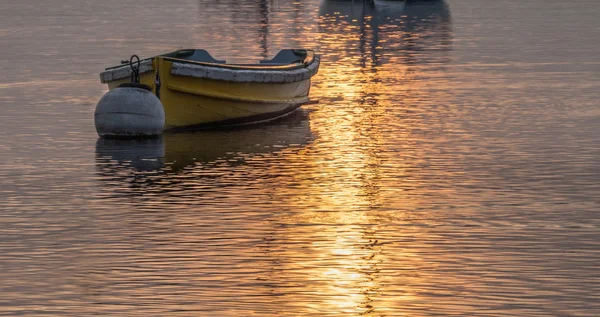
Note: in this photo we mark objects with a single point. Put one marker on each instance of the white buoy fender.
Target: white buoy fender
(128, 111)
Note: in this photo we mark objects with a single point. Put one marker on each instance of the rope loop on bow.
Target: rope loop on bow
(135, 69)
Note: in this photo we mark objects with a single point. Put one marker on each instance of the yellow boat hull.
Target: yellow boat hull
(192, 102)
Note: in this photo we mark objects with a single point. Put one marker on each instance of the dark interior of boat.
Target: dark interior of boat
(195, 55)
(284, 57)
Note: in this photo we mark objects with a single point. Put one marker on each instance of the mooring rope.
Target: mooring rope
(135, 70)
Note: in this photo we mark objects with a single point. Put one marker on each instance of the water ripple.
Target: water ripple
(449, 168)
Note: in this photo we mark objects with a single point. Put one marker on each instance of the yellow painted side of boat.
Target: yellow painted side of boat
(192, 101)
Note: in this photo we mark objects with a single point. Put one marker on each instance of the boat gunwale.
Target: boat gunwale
(124, 70)
(258, 76)
(310, 58)
(121, 71)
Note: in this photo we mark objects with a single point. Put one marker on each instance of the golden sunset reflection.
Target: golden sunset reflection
(353, 276)
(349, 261)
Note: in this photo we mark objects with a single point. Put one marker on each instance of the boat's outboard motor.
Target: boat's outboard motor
(130, 110)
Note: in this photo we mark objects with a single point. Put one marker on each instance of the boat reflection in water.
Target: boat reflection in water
(160, 163)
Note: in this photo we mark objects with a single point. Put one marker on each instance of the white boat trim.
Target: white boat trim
(246, 75)
(124, 71)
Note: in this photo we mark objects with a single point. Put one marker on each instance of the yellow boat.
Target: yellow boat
(196, 90)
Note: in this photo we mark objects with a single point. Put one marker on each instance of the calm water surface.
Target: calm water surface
(452, 166)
